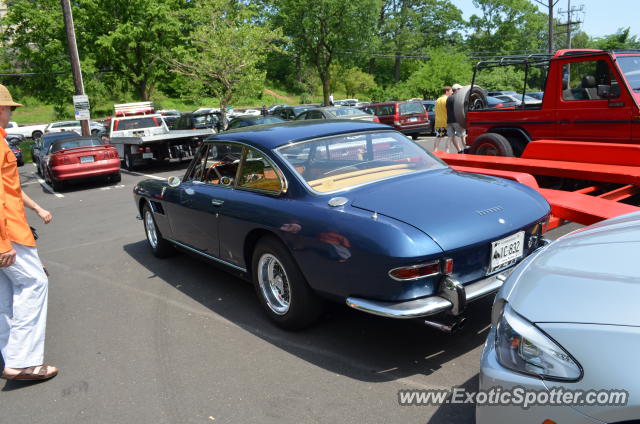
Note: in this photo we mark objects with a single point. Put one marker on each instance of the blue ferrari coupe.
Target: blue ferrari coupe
(348, 211)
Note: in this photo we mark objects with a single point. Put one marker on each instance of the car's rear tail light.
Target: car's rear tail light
(447, 266)
(415, 272)
(60, 160)
(376, 119)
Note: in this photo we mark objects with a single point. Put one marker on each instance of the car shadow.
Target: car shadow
(457, 412)
(344, 341)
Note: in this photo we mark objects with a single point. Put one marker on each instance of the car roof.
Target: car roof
(271, 136)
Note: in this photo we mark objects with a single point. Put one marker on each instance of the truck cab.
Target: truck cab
(589, 95)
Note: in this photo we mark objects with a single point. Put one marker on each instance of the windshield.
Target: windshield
(346, 111)
(205, 119)
(346, 161)
(630, 66)
(134, 124)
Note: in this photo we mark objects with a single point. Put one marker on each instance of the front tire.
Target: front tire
(282, 290)
(492, 144)
(160, 247)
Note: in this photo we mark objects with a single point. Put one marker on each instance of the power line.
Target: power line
(571, 10)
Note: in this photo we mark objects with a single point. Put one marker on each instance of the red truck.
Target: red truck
(589, 95)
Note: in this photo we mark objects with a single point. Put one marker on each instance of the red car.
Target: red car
(78, 158)
(410, 118)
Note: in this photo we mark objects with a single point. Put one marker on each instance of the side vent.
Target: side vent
(157, 207)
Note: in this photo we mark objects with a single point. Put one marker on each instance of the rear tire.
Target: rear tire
(116, 178)
(128, 162)
(160, 247)
(415, 136)
(491, 144)
(282, 290)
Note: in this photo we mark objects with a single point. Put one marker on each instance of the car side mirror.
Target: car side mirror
(604, 91)
(174, 181)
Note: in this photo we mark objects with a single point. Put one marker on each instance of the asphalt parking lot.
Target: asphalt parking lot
(139, 339)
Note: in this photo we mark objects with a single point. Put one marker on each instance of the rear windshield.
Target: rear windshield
(139, 123)
(72, 144)
(411, 108)
(342, 162)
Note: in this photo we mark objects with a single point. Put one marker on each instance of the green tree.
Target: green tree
(322, 30)
(444, 68)
(132, 38)
(507, 27)
(621, 40)
(225, 48)
(356, 81)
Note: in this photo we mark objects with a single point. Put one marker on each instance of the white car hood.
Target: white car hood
(588, 276)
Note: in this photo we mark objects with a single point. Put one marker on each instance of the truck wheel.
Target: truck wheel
(160, 247)
(283, 291)
(128, 162)
(36, 135)
(466, 98)
(492, 144)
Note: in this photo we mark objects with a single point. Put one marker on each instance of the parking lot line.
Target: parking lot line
(155, 177)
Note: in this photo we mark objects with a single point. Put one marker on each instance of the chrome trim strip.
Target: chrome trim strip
(213, 258)
(431, 305)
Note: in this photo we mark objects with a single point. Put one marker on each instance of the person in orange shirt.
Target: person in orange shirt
(23, 282)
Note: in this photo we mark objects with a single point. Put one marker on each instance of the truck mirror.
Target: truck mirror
(604, 91)
(174, 181)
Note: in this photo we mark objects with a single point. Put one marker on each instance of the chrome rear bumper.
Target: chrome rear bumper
(453, 297)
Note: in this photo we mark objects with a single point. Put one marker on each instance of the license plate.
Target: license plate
(507, 251)
(413, 119)
(147, 156)
(86, 159)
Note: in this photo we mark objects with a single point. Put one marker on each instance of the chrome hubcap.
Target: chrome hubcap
(274, 284)
(150, 226)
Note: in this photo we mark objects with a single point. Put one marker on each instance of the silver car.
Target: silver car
(568, 319)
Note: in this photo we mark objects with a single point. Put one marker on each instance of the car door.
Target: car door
(195, 208)
(253, 203)
(584, 111)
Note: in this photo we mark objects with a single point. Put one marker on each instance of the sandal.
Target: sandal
(28, 374)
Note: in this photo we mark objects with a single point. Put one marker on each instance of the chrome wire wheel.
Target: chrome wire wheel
(274, 283)
(150, 227)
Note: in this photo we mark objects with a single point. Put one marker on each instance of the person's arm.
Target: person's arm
(31, 204)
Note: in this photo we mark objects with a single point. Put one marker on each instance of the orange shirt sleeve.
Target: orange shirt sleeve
(5, 242)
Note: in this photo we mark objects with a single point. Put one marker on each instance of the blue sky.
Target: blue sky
(600, 17)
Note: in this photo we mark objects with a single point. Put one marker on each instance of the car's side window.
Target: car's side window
(259, 173)
(302, 116)
(221, 165)
(385, 110)
(589, 80)
(315, 114)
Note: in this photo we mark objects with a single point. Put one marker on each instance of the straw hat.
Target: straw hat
(5, 97)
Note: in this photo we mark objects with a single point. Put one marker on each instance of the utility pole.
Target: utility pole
(551, 5)
(571, 10)
(75, 59)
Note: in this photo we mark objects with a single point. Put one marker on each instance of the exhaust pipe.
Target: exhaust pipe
(447, 326)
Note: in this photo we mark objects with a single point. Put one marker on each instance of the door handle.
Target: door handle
(217, 202)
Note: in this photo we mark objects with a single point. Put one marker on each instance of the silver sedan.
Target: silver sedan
(565, 332)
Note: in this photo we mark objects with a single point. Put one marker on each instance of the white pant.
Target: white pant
(23, 309)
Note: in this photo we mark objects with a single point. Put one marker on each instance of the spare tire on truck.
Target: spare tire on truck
(468, 97)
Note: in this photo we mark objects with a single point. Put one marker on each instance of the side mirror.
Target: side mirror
(604, 91)
(174, 181)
